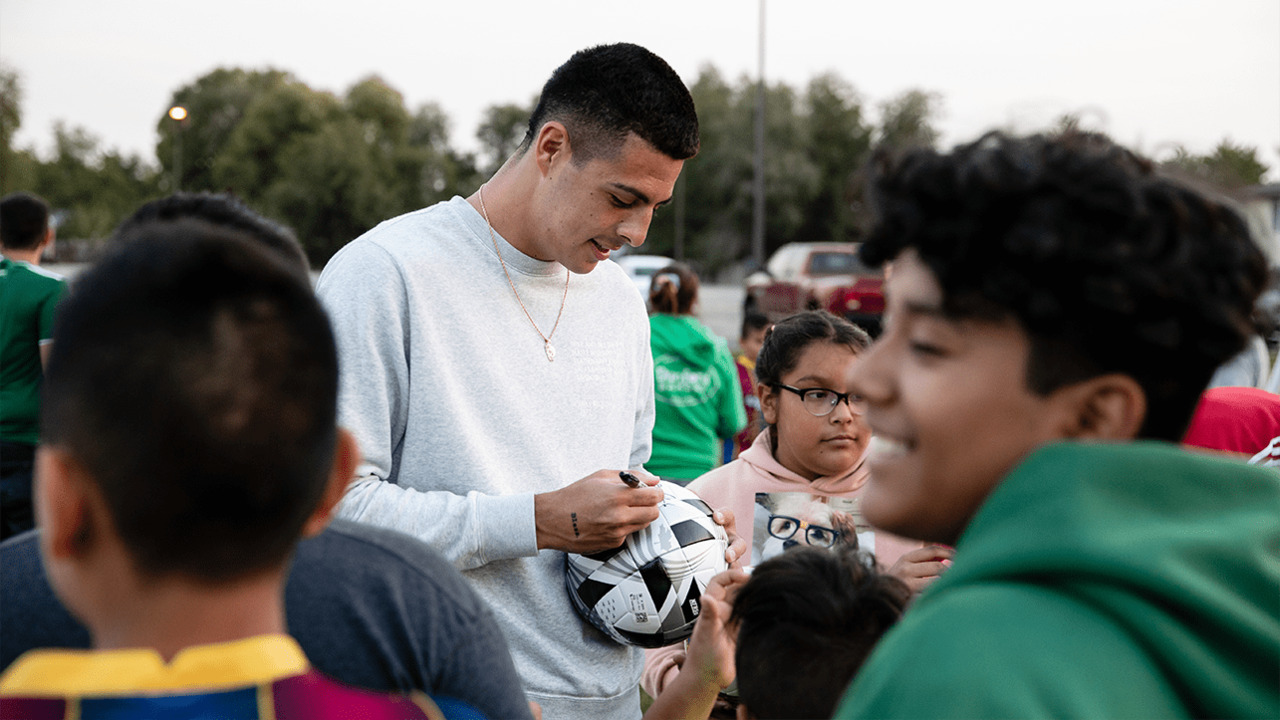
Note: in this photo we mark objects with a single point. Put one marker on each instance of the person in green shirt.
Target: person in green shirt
(1055, 308)
(698, 400)
(29, 295)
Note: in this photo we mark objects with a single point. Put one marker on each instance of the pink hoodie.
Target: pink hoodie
(734, 486)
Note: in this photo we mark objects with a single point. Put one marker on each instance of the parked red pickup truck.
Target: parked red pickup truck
(811, 276)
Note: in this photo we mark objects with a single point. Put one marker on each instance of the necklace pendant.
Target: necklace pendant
(551, 350)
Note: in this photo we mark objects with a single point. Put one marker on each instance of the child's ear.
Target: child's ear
(1108, 407)
(346, 456)
(62, 496)
(768, 403)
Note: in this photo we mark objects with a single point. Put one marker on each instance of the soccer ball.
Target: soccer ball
(646, 592)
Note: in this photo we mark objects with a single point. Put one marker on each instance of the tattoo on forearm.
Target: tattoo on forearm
(574, 517)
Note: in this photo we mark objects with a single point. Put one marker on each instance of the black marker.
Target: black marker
(630, 479)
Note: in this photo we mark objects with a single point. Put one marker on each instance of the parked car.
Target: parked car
(641, 269)
(812, 276)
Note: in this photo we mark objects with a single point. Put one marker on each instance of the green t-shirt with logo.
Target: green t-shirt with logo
(698, 400)
(29, 296)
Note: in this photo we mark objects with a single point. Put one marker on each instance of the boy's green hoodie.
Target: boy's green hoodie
(697, 397)
(1111, 581)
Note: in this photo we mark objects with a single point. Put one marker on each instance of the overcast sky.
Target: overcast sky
(1152, 73)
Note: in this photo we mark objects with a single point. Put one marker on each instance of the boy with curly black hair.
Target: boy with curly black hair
(1055, 308)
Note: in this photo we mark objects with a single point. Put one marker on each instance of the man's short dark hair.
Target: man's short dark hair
(223, 210)
(194, 377)
(604, 92)
(24, 221)
(1107, 265)
(807, 619)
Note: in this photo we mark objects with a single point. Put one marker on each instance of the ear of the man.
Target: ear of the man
(551, 145)
(346, 457)
(63, 503)
(743, 713)
(1108, 407)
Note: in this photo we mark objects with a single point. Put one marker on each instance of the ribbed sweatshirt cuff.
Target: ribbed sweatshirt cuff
(507, 526)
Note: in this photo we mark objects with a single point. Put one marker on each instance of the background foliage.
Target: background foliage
(334, 166)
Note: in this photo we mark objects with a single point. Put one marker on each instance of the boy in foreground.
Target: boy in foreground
(190, 443)
(1055, 289)
(344, 597)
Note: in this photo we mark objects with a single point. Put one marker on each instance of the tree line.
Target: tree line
(332, 166)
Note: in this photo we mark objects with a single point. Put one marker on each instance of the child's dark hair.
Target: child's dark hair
(223, 210)
(194, 376)
(1107, 265)
(604, 92)
(788, 338)
(753, 322)
(673, 290)
(807, 619)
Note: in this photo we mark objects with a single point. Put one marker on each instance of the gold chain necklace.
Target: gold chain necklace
(546, 339)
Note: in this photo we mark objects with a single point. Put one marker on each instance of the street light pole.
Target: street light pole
(179, 114)
(757, 218)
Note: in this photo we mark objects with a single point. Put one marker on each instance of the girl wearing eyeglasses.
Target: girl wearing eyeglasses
(815, 442)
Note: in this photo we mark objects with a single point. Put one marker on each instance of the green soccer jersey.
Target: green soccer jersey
(28, 297)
